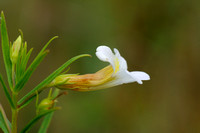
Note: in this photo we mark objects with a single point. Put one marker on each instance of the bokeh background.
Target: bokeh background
(159, 37)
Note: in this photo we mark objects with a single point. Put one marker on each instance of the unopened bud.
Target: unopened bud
(15, 49)
(45, 105)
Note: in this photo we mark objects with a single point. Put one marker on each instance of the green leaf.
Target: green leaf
(46, 122)
(6, 49)
(24, 63)
(18, 65)
(32, 67)
(47, 119)
(7, 93)
(29, 72)
(31, 95)
(36, 119)
(4, 122)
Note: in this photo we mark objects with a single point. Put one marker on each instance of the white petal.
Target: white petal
(139, 76)
(121, 77)
(105, 54)
(122, 61)
(101, 56)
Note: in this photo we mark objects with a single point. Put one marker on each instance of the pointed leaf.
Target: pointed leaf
(6, 49)
(6, 92)
(4, 122)
(24, 63)
(32, 67)
(18, 66)
(29, 72)
(36, 119)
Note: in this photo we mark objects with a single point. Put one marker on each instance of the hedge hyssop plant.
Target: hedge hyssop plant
(16, 56)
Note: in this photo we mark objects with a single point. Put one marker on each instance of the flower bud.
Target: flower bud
(45, 105)
(15, 49)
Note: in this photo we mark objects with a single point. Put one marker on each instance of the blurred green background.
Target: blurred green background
(161, 38)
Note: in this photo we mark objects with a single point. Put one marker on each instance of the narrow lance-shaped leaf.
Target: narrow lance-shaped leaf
(47, 119)
(23, 57)
(32, 67)
(25, 61)
(35, 120)
(29, 72)
(31, 95)
(18, 65)
(6, 49)
(4, 122)
(6, 92)
(22, 63)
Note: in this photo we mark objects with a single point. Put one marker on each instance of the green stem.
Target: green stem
(14, 98)
(14, 114)
(13, 75)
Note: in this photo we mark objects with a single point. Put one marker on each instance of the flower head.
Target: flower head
(114, 74)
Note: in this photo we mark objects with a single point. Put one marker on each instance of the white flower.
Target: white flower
(121, 74)
(114, 74)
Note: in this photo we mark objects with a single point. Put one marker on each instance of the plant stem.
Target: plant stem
(14, 113)
(14, 98)
(13, 76)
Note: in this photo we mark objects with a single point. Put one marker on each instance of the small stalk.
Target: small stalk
(13, 76)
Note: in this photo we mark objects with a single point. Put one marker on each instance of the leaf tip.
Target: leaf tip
(88, 55)
(1, 12)
(55, 37)
(2, 15)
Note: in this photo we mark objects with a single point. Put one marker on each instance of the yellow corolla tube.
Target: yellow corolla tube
(114, 74)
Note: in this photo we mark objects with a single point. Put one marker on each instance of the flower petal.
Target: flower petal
(122, 61)
(105, 54)
(139, 76)
(122, 77)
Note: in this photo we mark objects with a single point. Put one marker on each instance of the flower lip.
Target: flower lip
(139, 76)
(104, 53)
